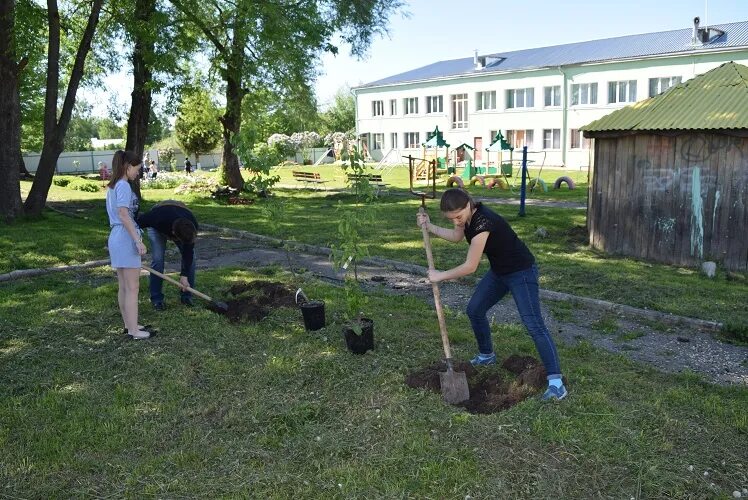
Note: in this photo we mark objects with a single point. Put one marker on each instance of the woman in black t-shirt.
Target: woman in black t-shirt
(512, 269)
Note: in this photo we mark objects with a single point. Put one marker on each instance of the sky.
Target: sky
(437, 30)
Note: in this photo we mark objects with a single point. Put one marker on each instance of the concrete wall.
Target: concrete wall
(87, 161)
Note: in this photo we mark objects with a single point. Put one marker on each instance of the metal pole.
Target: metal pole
(523, 186)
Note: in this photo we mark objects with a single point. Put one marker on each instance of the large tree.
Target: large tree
(197, 128)
(276, 43)
(10, 118)
(55, 126)
(341, 115)
(160, 43)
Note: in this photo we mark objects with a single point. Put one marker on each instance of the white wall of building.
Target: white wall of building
(538, 118)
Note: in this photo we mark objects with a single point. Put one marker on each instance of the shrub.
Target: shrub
(164, 180)
(62, 181)
(80, 184)
(197, 185)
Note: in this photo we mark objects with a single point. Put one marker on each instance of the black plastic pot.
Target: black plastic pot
(314, 314)
(359, 344)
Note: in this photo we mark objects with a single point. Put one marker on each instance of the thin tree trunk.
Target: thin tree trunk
(231, 120)
(140, 107)
(10, 116)
(54, 130)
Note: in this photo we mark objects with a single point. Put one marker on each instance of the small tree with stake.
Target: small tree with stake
(353, 218)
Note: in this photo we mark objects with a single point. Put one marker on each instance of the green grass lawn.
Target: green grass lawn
(211, 409)
(567, 263)
(397, 179)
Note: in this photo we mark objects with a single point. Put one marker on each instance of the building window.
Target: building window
(377, 141)
(519, 138)
(485, 100)
(578, 140)
(410, 104)
(435, 104)
(520, 98)
(552, 138)
(377, 108)
(459, 111)
(393, 107)
(412, 140)
(583, 94)
(552, 95)
(623, 91)
(660, 85)
(393, 140)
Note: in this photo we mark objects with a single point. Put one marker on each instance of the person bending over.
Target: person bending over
(171, 220)
(512, 269)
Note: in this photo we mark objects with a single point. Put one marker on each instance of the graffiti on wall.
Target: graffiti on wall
(699, 148)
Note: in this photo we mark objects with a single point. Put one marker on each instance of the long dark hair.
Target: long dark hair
(455, 199)
(120, 162)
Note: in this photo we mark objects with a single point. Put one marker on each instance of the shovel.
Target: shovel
(454, 384)
(218, 304)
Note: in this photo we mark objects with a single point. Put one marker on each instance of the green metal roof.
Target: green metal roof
(718, 99)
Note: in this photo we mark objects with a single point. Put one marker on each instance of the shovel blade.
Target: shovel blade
(454, 386)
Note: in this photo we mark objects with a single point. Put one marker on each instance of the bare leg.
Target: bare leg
(121, 293)
(132, 287)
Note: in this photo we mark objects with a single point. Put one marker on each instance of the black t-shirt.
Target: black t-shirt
(506, 252)
(161, 217)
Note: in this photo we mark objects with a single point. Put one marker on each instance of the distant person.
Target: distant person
(125, 244)
(103, 171)
(153, 169)
(171, 220)
(187, 166)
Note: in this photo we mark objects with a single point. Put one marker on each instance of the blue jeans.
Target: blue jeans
(524, 287)
(158, 251)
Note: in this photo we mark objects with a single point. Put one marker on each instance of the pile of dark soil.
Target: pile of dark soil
(255, 300)
(490, 390)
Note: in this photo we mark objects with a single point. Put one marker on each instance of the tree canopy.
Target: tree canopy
(197, 127)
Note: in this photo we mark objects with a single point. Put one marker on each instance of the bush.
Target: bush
(164, 180)
(197, 185)
(80, 184)
(62, 181)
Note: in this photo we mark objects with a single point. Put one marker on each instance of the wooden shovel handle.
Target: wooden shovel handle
(175, 282)
(435, 289)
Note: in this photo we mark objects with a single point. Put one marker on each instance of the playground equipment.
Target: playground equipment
(435, 142)
(455, 179)
(569, 183)
(498, 145)
(412, 171)
(389, 160)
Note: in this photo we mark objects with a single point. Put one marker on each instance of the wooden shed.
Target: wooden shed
(669, 179)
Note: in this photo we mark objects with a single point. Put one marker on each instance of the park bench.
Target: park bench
(308, 178)
(374, 179)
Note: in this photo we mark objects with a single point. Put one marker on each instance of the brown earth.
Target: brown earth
(491, 390)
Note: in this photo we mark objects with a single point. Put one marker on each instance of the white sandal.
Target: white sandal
(140, 335)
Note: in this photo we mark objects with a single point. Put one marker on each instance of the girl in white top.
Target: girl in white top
(125, 244)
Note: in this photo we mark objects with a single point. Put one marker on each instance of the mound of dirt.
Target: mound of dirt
(255, 300)
(490, 391)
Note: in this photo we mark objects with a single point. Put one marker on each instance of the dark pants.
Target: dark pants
(158, 251)
(524, 287)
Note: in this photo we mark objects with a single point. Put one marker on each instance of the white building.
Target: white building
(536, 97)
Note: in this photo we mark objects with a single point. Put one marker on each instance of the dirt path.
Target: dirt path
(670, 349)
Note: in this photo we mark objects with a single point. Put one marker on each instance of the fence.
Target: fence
(84, 162)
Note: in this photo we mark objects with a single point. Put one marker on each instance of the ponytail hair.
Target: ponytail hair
(455, 199)
(120, 162)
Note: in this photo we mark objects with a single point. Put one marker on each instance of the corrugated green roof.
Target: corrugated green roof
(718, 99)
